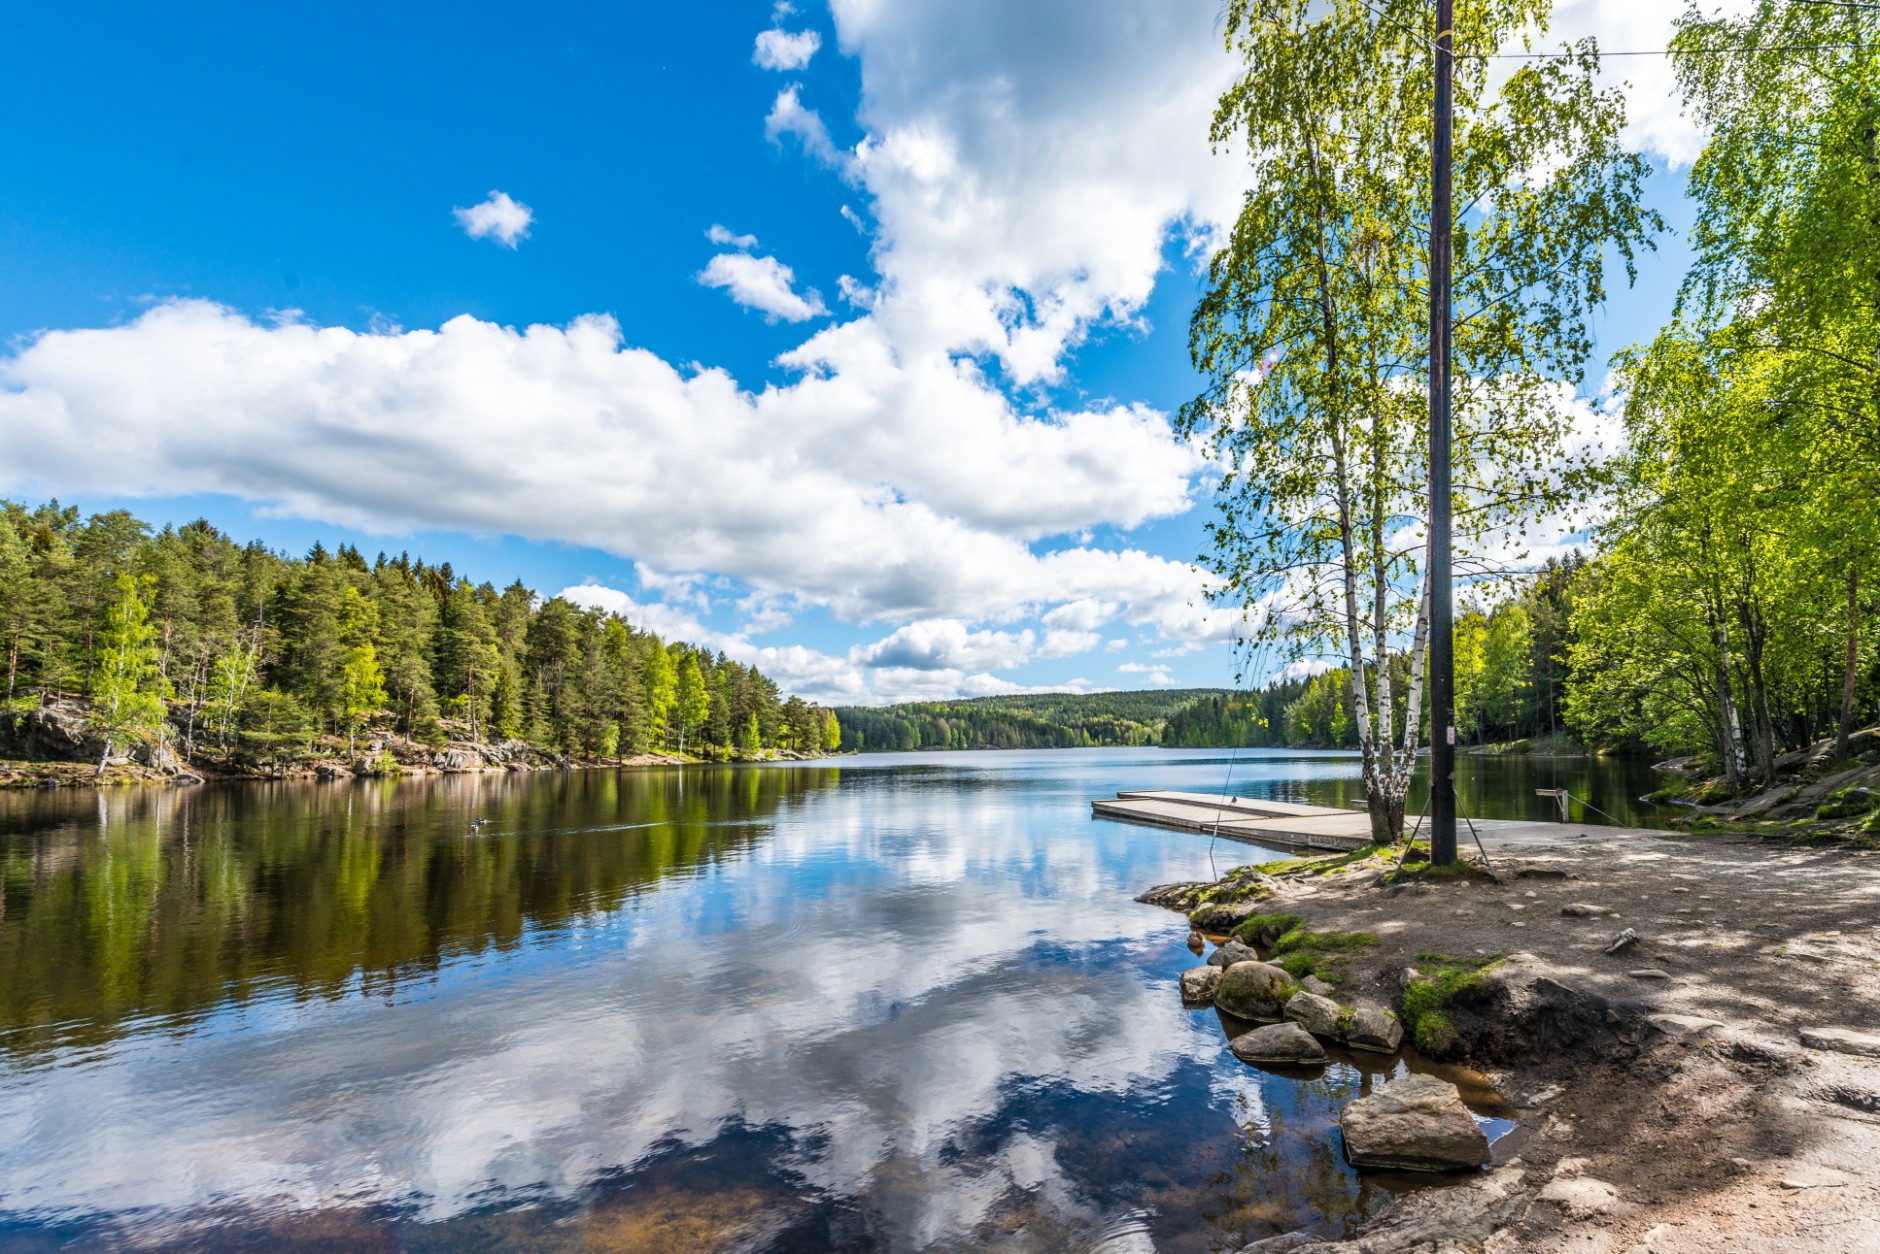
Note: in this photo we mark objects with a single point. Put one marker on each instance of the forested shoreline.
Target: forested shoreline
(181, 642)
(1055, 720)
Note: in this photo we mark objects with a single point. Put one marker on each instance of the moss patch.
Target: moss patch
(1416, 865)
(1302, 952)
(1256, 929)
(1322, 865)
(1844, 804)
(1443, 981)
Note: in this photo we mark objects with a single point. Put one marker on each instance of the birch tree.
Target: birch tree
(1787, 272)
(127, 686)
(1313, 332)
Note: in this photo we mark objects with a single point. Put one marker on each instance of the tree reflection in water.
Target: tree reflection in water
(129, 904)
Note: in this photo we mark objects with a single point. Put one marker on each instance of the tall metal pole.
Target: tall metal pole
(1442, 660)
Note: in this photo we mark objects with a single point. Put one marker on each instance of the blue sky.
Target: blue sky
(899, 430)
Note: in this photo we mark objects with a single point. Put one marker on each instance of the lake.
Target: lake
(892, 1002)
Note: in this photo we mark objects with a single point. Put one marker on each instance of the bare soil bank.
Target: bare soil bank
(1641, 1128)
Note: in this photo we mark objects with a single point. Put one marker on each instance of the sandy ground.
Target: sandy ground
(1634, 1137)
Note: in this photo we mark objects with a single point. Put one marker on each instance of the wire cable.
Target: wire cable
(1226, 800)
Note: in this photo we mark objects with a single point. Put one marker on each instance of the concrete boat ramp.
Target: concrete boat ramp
(1286, 825)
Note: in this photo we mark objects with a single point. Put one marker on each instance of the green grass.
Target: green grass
(1845, 804)
(1321, 865)
(1443, 981)
(1416, 865)
(1302, 952)
(1255, 925)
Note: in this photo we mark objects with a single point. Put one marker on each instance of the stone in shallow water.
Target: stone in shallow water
(1199, 983)
(1375, 1029)
(1278, 1042)
(1253, 990)
(1197, 942)
(1317, 1015)
(1417, 1123)
(1842, 1041)
(1230, 953)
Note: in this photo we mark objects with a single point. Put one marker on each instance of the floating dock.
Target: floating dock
(1286, 825)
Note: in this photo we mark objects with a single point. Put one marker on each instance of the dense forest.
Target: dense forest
(1059, 720)
(245, 654)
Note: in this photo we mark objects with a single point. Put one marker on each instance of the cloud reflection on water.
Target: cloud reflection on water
(935, 989)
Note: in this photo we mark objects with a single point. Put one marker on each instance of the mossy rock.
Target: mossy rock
(1264, 929)
(1443, 982)
(1254, 990)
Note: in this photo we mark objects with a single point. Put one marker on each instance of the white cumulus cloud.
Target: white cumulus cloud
(785, 50)
(920, 488)
(499, 217)
(947, 644)
(764, 284)
(790, 116)
(729, 238)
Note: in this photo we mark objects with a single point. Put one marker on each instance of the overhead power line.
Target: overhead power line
(1427, 42)
(1652, 52)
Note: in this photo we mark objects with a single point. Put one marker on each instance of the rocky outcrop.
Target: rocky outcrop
(56, 732)
(1177, 896)
(1253, 990)
(1199, 983)
(1278, 1043)
(1417, 1123)
(1843, 1041)
(1223, 916)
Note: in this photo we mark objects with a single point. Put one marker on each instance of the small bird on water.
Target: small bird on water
(478, 822)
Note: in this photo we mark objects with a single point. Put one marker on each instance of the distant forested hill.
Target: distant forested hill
(1058, 720)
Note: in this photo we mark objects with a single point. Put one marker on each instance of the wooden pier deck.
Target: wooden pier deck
(1290, 826)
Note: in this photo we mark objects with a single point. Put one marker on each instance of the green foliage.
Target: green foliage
(1313, 333)
(127, 683)
(691, 704)
(1724, 611)
(362, 688)
(1059, 720)
(259, 654)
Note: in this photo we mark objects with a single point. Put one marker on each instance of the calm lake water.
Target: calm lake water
(897, 1002)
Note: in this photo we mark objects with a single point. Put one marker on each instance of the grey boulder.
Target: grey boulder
(1374, 1029)
(1417, 1123)
(1253, 990)
(1230, 953)
(1317, 1015)
(1199, 983)
(1278, 1042)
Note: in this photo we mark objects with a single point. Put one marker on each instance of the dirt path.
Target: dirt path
(1641, 1133)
